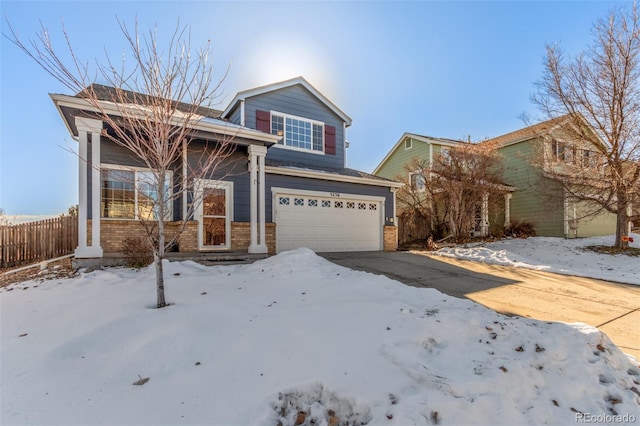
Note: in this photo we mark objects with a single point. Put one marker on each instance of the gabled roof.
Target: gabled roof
(420, 138)
(208, 123)
(526, 133)
(282, 85)
(109, 93)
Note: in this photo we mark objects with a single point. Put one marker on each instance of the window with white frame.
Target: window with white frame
(589, 158)
(128, 193)
(418, 183)
(561, 151)
(297, 132)
(445, 155)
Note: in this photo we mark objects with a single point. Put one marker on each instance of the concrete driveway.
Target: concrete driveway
(613, 308)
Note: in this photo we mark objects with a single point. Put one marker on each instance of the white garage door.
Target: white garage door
(327, 221)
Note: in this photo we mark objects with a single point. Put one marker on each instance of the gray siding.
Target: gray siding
(234, 169)
(326, 186)
(234, 115)
(296, 100)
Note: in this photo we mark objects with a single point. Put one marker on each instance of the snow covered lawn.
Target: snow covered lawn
(293, 339)
(559, 255)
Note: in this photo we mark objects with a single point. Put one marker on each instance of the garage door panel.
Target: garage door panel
(327, 224)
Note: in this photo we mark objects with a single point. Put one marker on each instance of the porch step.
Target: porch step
(205, 258)
(217, 258)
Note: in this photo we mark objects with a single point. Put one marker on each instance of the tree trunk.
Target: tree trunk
(159, 281)
(622, 221)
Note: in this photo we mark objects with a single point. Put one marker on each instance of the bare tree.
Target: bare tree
(4, 221)
(598, 92)
(451, 189)
(150, 107)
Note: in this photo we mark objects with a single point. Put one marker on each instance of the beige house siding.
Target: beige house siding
(592, 226)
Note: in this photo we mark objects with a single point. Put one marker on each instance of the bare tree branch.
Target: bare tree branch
(598, 92)
(151, 105)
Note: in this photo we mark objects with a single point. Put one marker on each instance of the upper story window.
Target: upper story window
(561, 151)
(408, 143)
(589, 158)
(131, 194)
(297, 132)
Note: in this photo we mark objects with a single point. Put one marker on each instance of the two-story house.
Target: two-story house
(412, 160)
(290, 186)
(530, 194)
(529, 154)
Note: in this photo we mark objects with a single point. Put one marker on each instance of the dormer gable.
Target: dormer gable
(411, 145)
(240, 97)
(312, 128)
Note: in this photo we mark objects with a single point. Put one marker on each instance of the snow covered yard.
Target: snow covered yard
(294, 339)
(559, 255)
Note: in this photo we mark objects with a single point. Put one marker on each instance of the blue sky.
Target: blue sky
(445, 69)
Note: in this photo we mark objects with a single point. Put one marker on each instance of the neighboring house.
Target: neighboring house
(540, 200)
(425, 148)
(289, 187)
(529, 195)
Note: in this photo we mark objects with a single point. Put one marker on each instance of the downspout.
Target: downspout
(345, 144)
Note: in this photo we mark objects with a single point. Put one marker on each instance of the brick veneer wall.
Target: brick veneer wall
(241, 236)
(113, 232)
(390, 238)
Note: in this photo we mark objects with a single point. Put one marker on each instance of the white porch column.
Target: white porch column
(85, 127)
(257, 199)
(507, 210)
(262, 238)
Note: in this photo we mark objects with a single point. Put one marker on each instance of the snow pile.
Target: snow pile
(293, 339)
(559, 255)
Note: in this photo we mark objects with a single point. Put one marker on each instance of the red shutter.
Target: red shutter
(329, 140)
(263, 121)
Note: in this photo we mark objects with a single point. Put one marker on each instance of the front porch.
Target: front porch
(116, 233)
(207, 201)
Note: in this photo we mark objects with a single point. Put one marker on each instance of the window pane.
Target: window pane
(117, 194)
(317, 137)
(148, 207)
(277, 125)
(214, 231)
(214, 202)
(298, 133)
(417, 182)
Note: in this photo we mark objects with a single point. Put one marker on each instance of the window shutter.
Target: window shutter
(329, 140)
(263, 121)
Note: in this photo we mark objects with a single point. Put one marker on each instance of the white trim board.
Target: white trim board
(312, 174)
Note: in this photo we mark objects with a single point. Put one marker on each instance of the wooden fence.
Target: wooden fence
(35, 241)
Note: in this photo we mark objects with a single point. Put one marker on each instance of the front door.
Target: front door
(214, 218)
